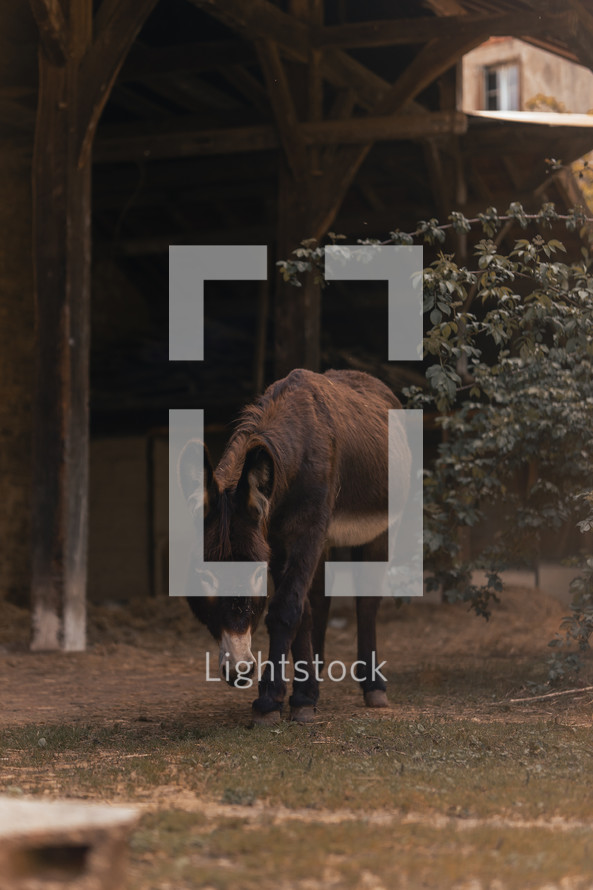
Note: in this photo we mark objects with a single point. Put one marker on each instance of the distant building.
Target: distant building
(507, 74)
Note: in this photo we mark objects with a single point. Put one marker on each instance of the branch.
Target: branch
(515, 701)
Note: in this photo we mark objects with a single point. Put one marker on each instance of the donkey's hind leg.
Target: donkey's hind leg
(373, 685)
(309, 642)
(320, 604)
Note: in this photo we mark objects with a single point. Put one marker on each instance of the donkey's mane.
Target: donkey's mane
(255, 428)
(264, 424)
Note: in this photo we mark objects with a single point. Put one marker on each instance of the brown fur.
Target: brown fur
(307, 463)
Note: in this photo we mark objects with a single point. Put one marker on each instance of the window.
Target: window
(501, 87)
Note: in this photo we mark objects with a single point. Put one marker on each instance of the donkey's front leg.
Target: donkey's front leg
(283, 620)
(288, 621)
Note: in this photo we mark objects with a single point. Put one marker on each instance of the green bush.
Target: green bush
(509, 369)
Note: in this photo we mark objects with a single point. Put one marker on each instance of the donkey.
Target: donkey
(305, 469)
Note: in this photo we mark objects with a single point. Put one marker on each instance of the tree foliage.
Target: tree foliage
(509, 369)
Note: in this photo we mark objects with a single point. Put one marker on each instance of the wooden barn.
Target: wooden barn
(130, 125)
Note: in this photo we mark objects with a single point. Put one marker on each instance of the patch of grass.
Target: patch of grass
(362, 764)
(355, 854)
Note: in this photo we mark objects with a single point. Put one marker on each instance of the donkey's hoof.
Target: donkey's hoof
(270, 719)
(376, 698)
(304, 714)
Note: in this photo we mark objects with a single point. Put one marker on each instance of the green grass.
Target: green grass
(364, 763)
(352, 855)
(423, 802)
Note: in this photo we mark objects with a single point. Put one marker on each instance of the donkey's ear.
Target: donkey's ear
(195, 467)
(257, 482)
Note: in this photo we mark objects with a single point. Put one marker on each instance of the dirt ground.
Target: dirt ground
(146, 661)
(455, 786)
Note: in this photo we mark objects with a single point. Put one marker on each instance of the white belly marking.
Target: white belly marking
(351, 530)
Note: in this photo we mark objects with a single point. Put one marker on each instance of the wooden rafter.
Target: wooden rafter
(260, 19)
(584, 16)
(291, 136)
(394, 32)
(53, 29)
(116, 26)
(432, 61)
(248, 86)
(341, 70)
(445, 7)
(127, 142)
(579, 26)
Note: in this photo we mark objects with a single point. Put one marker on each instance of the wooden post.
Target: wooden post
(259, 357)
(297, 311)
(75, 78)
(61, 208)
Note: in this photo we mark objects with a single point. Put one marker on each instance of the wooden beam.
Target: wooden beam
(435, 58)
(438, 182)
(53, 29)
(61, 210)
(314, 12)
(71, 98)
(116, 26)
(445, 7)
(260, 19)
(357, 130)
(196, 96)
(181, 138)
(432, 61)
(249, 86)
(297, 316)
(291, 136)
(124, 142)
(580, 31)
(297, 311)
(335, 185)
(572, 142)
(341, 70)
(584, 15)
(395, 32)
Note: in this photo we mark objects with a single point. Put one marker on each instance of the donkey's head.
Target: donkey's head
(234, 523)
